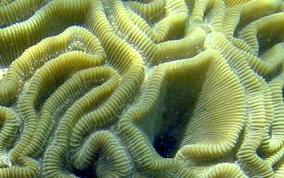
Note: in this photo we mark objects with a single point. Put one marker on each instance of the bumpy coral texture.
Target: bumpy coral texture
(149, 88)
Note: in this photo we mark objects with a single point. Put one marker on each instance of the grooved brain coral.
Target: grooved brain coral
(149, 88)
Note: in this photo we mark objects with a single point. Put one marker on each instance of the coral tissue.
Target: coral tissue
(145, 88)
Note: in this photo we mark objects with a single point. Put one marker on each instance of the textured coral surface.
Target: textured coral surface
(149, 88)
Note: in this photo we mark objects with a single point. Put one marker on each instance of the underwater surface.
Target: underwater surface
(144, 88)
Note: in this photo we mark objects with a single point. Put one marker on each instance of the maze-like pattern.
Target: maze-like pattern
(149, 88)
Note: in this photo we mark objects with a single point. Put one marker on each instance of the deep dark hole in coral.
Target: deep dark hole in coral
(179, 109)
(259, 154)
(267, 42)
(167, 142)
(90, 172)
(181, 95)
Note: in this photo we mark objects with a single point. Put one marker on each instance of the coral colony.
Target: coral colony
(144, 88)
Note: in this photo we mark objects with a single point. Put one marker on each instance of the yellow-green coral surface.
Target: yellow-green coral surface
(149, 88)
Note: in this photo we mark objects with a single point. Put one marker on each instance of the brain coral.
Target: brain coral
(149, 88)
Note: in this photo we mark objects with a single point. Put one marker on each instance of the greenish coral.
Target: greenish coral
(150, 88)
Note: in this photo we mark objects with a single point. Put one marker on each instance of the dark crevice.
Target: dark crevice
(90, 171)
(86, 173)
(167, 142)
(267, 42)
(179, 104)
